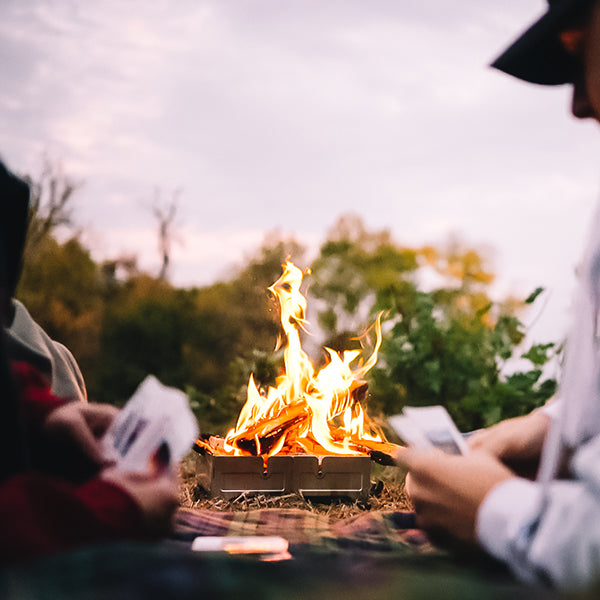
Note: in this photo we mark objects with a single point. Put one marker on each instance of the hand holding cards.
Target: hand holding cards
(427, 427)
(154, 430)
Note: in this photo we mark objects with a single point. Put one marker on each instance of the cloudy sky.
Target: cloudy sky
(285, 114)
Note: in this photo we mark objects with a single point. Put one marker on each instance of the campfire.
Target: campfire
(310, 413)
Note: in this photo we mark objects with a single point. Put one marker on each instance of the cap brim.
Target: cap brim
(537, 55)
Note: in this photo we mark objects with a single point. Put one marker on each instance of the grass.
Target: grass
(387, 494)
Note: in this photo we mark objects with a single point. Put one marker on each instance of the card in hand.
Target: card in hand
(429, 427)
(153, 431)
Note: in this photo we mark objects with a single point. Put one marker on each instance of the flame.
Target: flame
(308, 411)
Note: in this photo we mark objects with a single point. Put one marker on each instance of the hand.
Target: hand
(157, 496)
(447, 490)
(81, 425)
(517, 442)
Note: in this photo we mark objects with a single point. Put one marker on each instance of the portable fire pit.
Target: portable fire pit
(303, 474)
(309, 435)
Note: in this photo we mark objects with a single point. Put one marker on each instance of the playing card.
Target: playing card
(153, 431)
(429, 427)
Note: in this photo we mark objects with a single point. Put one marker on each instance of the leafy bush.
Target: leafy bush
(447, 343)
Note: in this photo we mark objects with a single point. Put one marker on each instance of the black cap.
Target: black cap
(538, 55)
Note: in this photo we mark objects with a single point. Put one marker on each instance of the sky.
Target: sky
(280, 116)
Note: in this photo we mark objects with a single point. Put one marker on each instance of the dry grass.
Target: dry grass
(387, 494)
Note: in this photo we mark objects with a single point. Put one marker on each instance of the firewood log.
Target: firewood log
(268, 431)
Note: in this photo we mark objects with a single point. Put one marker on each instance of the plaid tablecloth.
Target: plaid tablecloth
(390, 532)
(374, 556)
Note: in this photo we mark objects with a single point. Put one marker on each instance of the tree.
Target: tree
(50, 203)
(353, 268)
(165, 216)
(62, 288)
(206, 340)
(240, 329)
(146, 325)
(446, 345)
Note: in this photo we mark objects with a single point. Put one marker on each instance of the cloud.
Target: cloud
(270, 114)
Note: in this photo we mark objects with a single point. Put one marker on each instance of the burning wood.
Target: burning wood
(308, 412)
(260, 437)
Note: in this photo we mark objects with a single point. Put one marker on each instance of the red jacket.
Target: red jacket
(42, 514)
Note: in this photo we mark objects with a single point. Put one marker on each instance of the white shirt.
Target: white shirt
(548, 530)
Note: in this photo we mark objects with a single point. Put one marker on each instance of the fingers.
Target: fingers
(478, 439)
(403, 456)
(157, 497)
(87, 441)
(74, 424)
(99, 416)
(447, 490)
(413, 459)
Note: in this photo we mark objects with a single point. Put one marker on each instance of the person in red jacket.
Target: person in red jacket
(56, 491)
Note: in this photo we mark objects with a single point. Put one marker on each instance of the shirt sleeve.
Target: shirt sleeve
(552, 408)
(548, 533)
(41, 515)
(49, 454)
(37, 400)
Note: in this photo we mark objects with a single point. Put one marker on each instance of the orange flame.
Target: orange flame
(307, 412)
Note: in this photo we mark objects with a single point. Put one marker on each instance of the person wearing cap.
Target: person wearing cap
(547, 530)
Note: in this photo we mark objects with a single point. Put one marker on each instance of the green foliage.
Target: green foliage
(197, 339)
(353, 268)
(143, 331)
(61, 287)
(217, 412)
(448, 343)
(539, 354)
(532, 297)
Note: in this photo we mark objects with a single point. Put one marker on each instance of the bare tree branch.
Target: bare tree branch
(51, 195)
(165, 216)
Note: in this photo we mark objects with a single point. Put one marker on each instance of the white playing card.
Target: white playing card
(429, 427)
(155, 428)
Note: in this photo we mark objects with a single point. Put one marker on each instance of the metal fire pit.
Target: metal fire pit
(306, 475)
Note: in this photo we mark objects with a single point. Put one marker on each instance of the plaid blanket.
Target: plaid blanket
(374, 555)
(390, 532)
